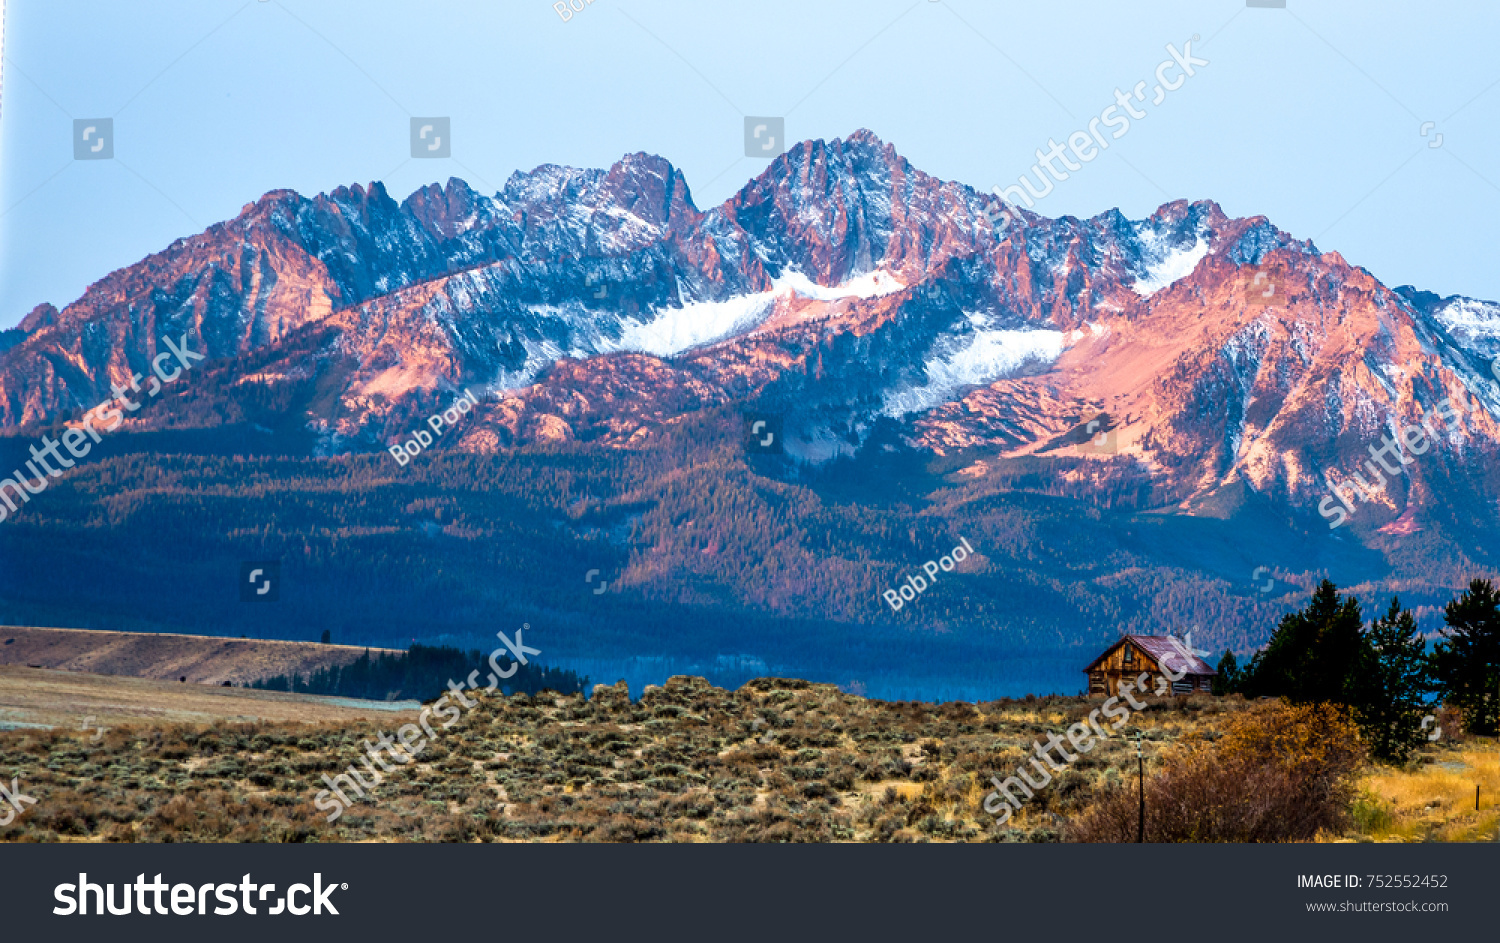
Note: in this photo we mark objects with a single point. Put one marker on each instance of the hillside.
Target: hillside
(75, 701)
(166, 657)
(712, 567)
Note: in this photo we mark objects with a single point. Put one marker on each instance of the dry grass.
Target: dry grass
(1279, 773)
(37, 697)
(1433, 798)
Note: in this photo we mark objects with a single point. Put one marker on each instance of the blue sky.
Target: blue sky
(1310, 115)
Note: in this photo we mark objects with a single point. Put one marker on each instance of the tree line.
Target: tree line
(1386, 673)
(422, 673)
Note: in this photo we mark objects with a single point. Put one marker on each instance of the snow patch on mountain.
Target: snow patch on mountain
(1165, 264)
(674, 330)
(870, 285)
(540, 354)
(1473, 323)
(817, 447)
(974, 359)
(1474, 357)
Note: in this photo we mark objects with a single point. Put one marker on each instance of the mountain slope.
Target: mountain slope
(1134, 414)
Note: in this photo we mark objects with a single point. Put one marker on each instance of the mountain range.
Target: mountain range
(1127, 419)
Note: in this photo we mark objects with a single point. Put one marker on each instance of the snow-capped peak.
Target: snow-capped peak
(1162, 263)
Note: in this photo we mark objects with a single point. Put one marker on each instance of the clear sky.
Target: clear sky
(1311, 115)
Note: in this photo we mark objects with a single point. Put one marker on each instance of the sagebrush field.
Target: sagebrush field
(776, 760)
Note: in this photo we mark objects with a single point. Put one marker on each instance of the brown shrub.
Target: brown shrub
(1280, 773)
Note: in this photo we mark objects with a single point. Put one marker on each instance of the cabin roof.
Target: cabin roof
(1160, 648)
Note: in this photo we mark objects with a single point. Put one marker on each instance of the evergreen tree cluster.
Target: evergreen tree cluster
(420, 673)
(1385, 673)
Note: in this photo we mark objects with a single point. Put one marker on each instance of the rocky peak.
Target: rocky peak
(836, 210)
(43, 315)
(567, 212)
(446, 212)
(844, 286)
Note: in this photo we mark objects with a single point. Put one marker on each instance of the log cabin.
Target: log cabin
(1133, 654)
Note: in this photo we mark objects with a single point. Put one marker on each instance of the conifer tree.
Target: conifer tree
(1313, 655)
(1227, 675)
(1390, 685)
(1466, 663)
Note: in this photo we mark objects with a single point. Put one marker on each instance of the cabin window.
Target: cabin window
(1129, 655)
